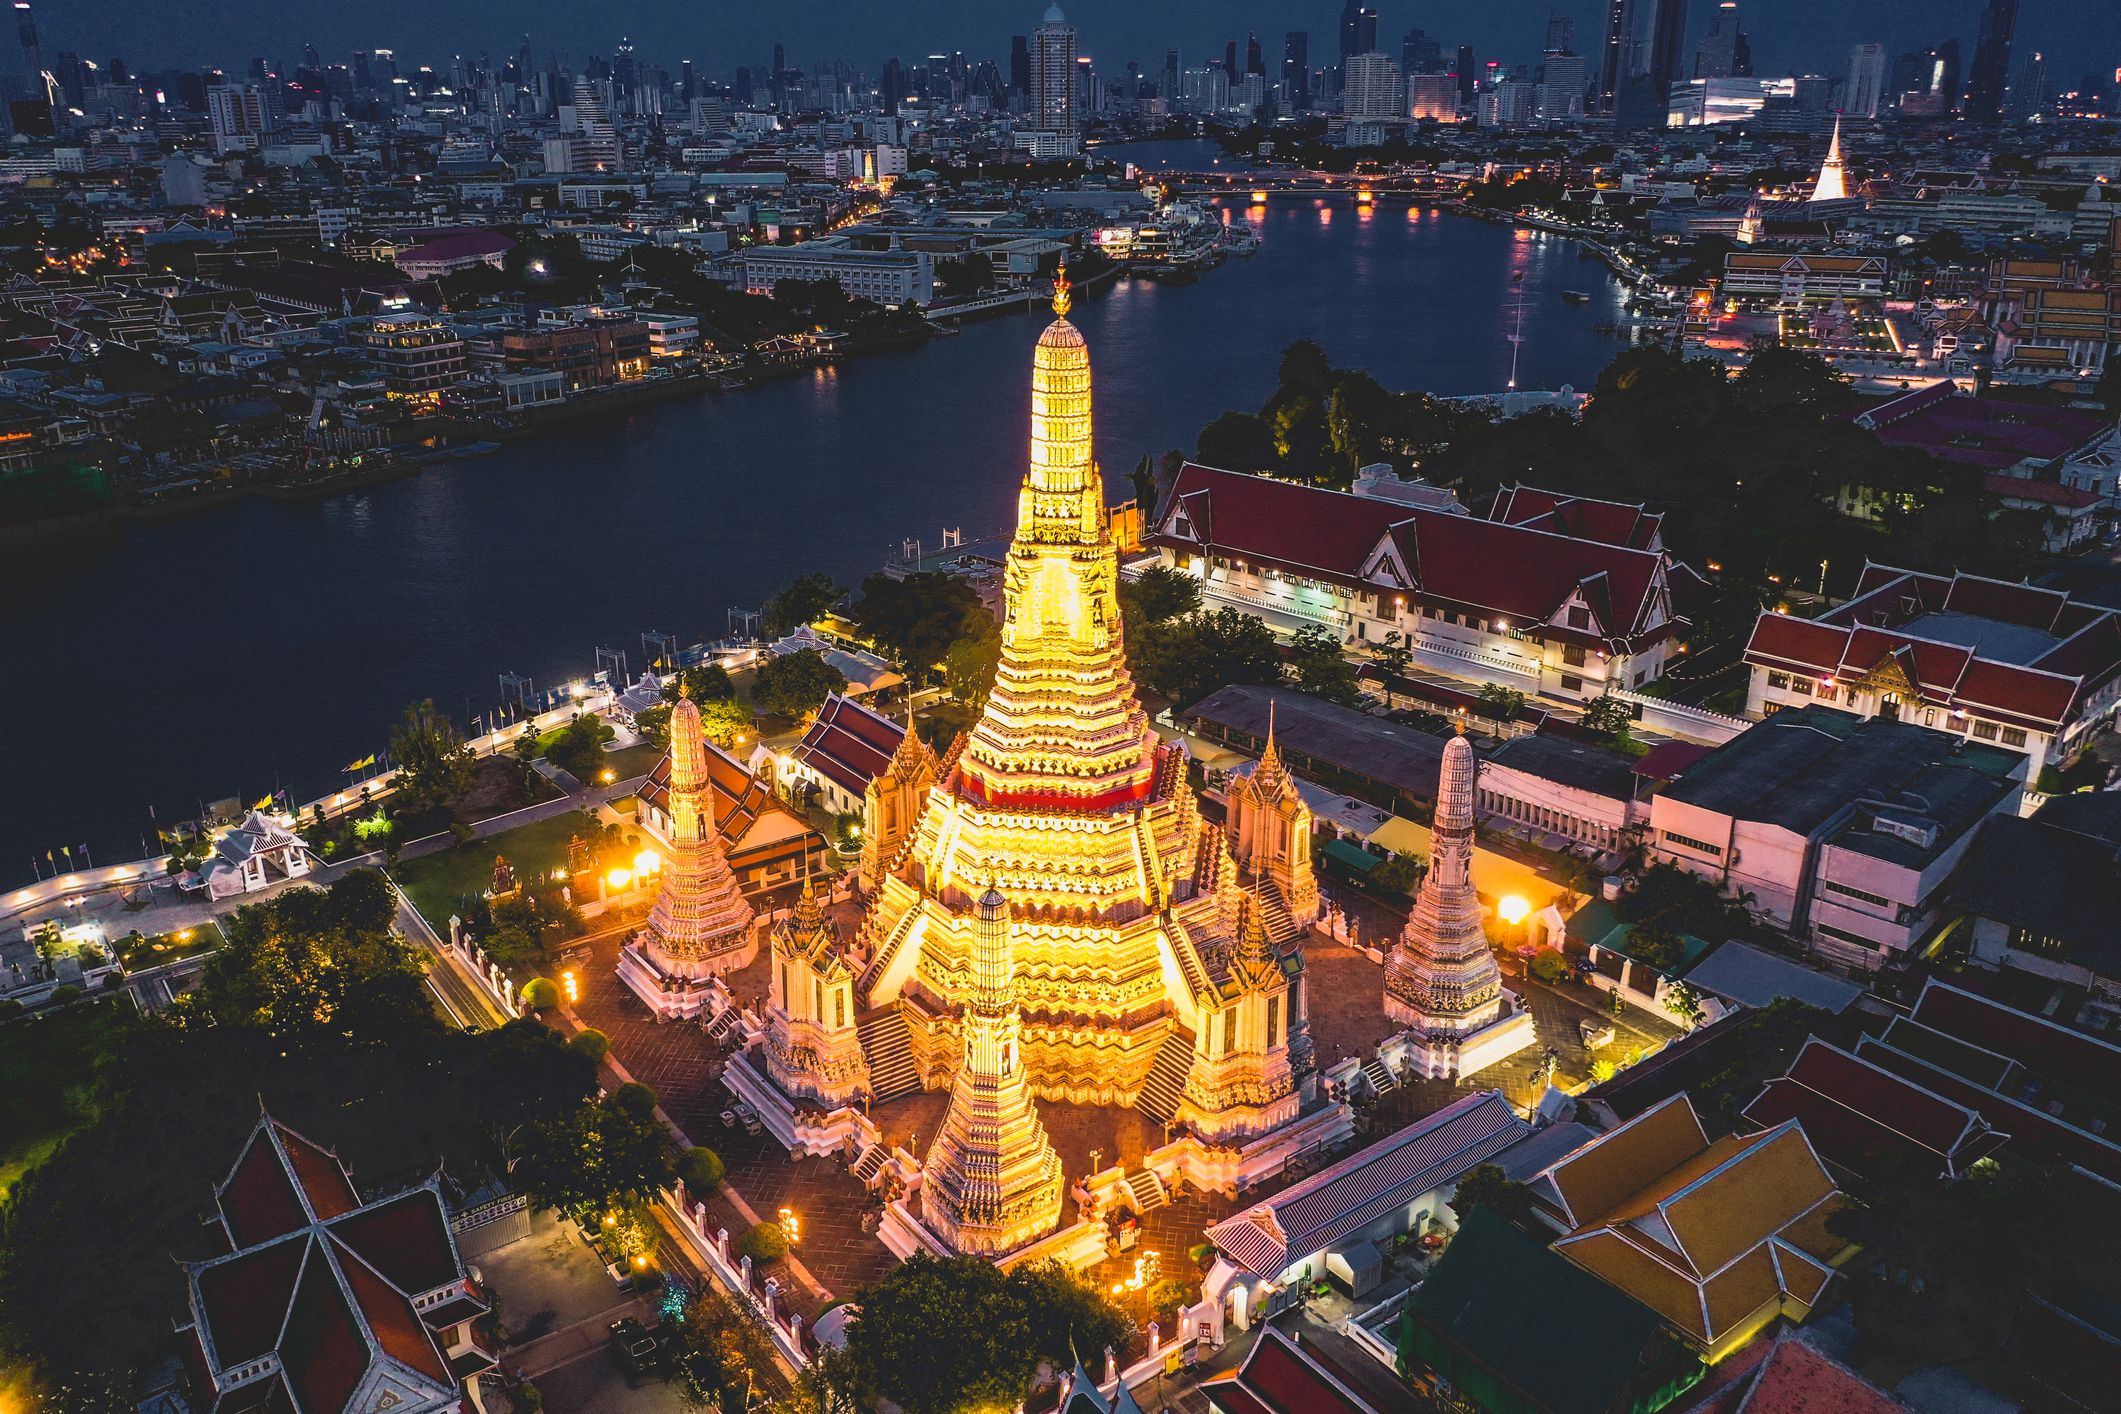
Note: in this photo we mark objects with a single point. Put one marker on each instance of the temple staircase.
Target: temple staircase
(1282, 927)
(1382, 1080)
(1165, 1088)
(888, 1048)
(1148, 1190)
(870, 1164)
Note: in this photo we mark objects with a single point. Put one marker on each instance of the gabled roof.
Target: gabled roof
(1594, 1180)
(1339, 1201)
(741, 799)
(1280, 1375)
(1631, 525)
(1795, 1378)
(1858, 1114)
(322, 1283)
(848, 744)
(1525, 572)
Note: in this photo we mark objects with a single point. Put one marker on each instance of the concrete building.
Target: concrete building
(1800, 277)
(1372, 87)
(1053, 81)
(416, 356)
(2026, 669)
(1865, 93)
(887, 277)
(1841, 830)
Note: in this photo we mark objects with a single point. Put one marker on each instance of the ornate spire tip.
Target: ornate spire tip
(1061, 299)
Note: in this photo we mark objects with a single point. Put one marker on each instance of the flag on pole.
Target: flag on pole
(264, 804)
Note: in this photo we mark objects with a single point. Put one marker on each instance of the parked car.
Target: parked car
(633, 1347)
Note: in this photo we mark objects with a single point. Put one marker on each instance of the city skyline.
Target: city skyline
(1793, 36)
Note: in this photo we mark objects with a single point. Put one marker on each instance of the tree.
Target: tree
(596, 1154)
(1157, 594)
(522, 930)
(1400, 874)
(969, 666)
(1486, 1185)
(578, 747)
(707, 682)
(1394, 653)
(804, 600)
(940, 1334)
(717, 1354)
(919, 617)
(1322, 668)
(591, 1044)
(1684, 1002)
(434, 763)
(1500, 704)
(700, 1170)
(312, 964)
(763, 1243)
(540, 994)
(795, 684)
(963, 278)
(1188, 658)
(1065, 1312)
(1237, 441)
(1609, 717)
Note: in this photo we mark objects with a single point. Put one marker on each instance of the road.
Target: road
(461, 999)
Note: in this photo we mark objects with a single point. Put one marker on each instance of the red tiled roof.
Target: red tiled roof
(406, 1238)
(2032, 1130)
(322, 1350)
(458, 246)
(1611, 522)
(2046, 1049)
(1796, 1379)
(740, 798)
(243, 1301)
(391, 1319)
(259, 1202)
(1287, 1378)
(2047, 493)
(319, 1174)
(1856, 1112)
(848, 744)
(1302, 527)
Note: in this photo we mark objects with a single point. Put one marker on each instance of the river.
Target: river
(268, 644)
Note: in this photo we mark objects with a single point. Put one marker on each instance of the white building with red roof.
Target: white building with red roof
(2024, 668)
(323, 1303)
(1549, 594)
(845, 747)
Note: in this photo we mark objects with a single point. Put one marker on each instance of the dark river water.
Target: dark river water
(269, 644)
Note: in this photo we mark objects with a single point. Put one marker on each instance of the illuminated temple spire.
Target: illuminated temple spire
(1063, 726)
(1833, 183)
(700, 926)
(1441, 976)
(993, 1180)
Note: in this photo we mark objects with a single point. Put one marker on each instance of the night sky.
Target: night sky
(1788, 35)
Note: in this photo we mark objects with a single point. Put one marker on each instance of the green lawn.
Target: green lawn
(137, 953)
(438, 884)
(630, 761)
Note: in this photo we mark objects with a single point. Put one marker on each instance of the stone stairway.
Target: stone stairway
(1282, 927)
(888, 1048)
(869, 1165)
(1148, 1191)
(1165, 1088)
(1382, 1080)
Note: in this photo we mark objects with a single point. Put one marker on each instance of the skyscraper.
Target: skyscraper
(1053, 79)
(1926, 81)
(1020, 65)
(1358, 29)
(1614, 51)
(1296, 69)
(1561, 35)
(1716, 57)
(1371, 87)
(1419, 54)
(1255, 62)
(1468, 78)
(1992, 62)
(1643, 44)
(1866, 86)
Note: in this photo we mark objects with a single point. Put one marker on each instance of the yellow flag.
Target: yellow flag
(262, 804)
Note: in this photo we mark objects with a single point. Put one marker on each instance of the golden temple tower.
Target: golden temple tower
(700, 926)
(1270, 833)
(1441, 980)
(812, 1050)
(992, 1180)
(1125, 903)
(891, 806)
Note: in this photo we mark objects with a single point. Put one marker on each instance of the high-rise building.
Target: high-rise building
(1433, 96)
(1562, 85)
(1296, 69)
(1169, 84)
(2028, 93)
(1642, 51)
(1420, 54)
(1925, 82)
(1468, 78)
(1372, 88)
(239, 115)
(1358, 30)
(35, 79)
(1614, 53)
(1866, 85)
(1990, 76)
(592, 118)
(1053, 79)
(1561, 35)
(1255, 62)
(1717, 56)
(1020, 65)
